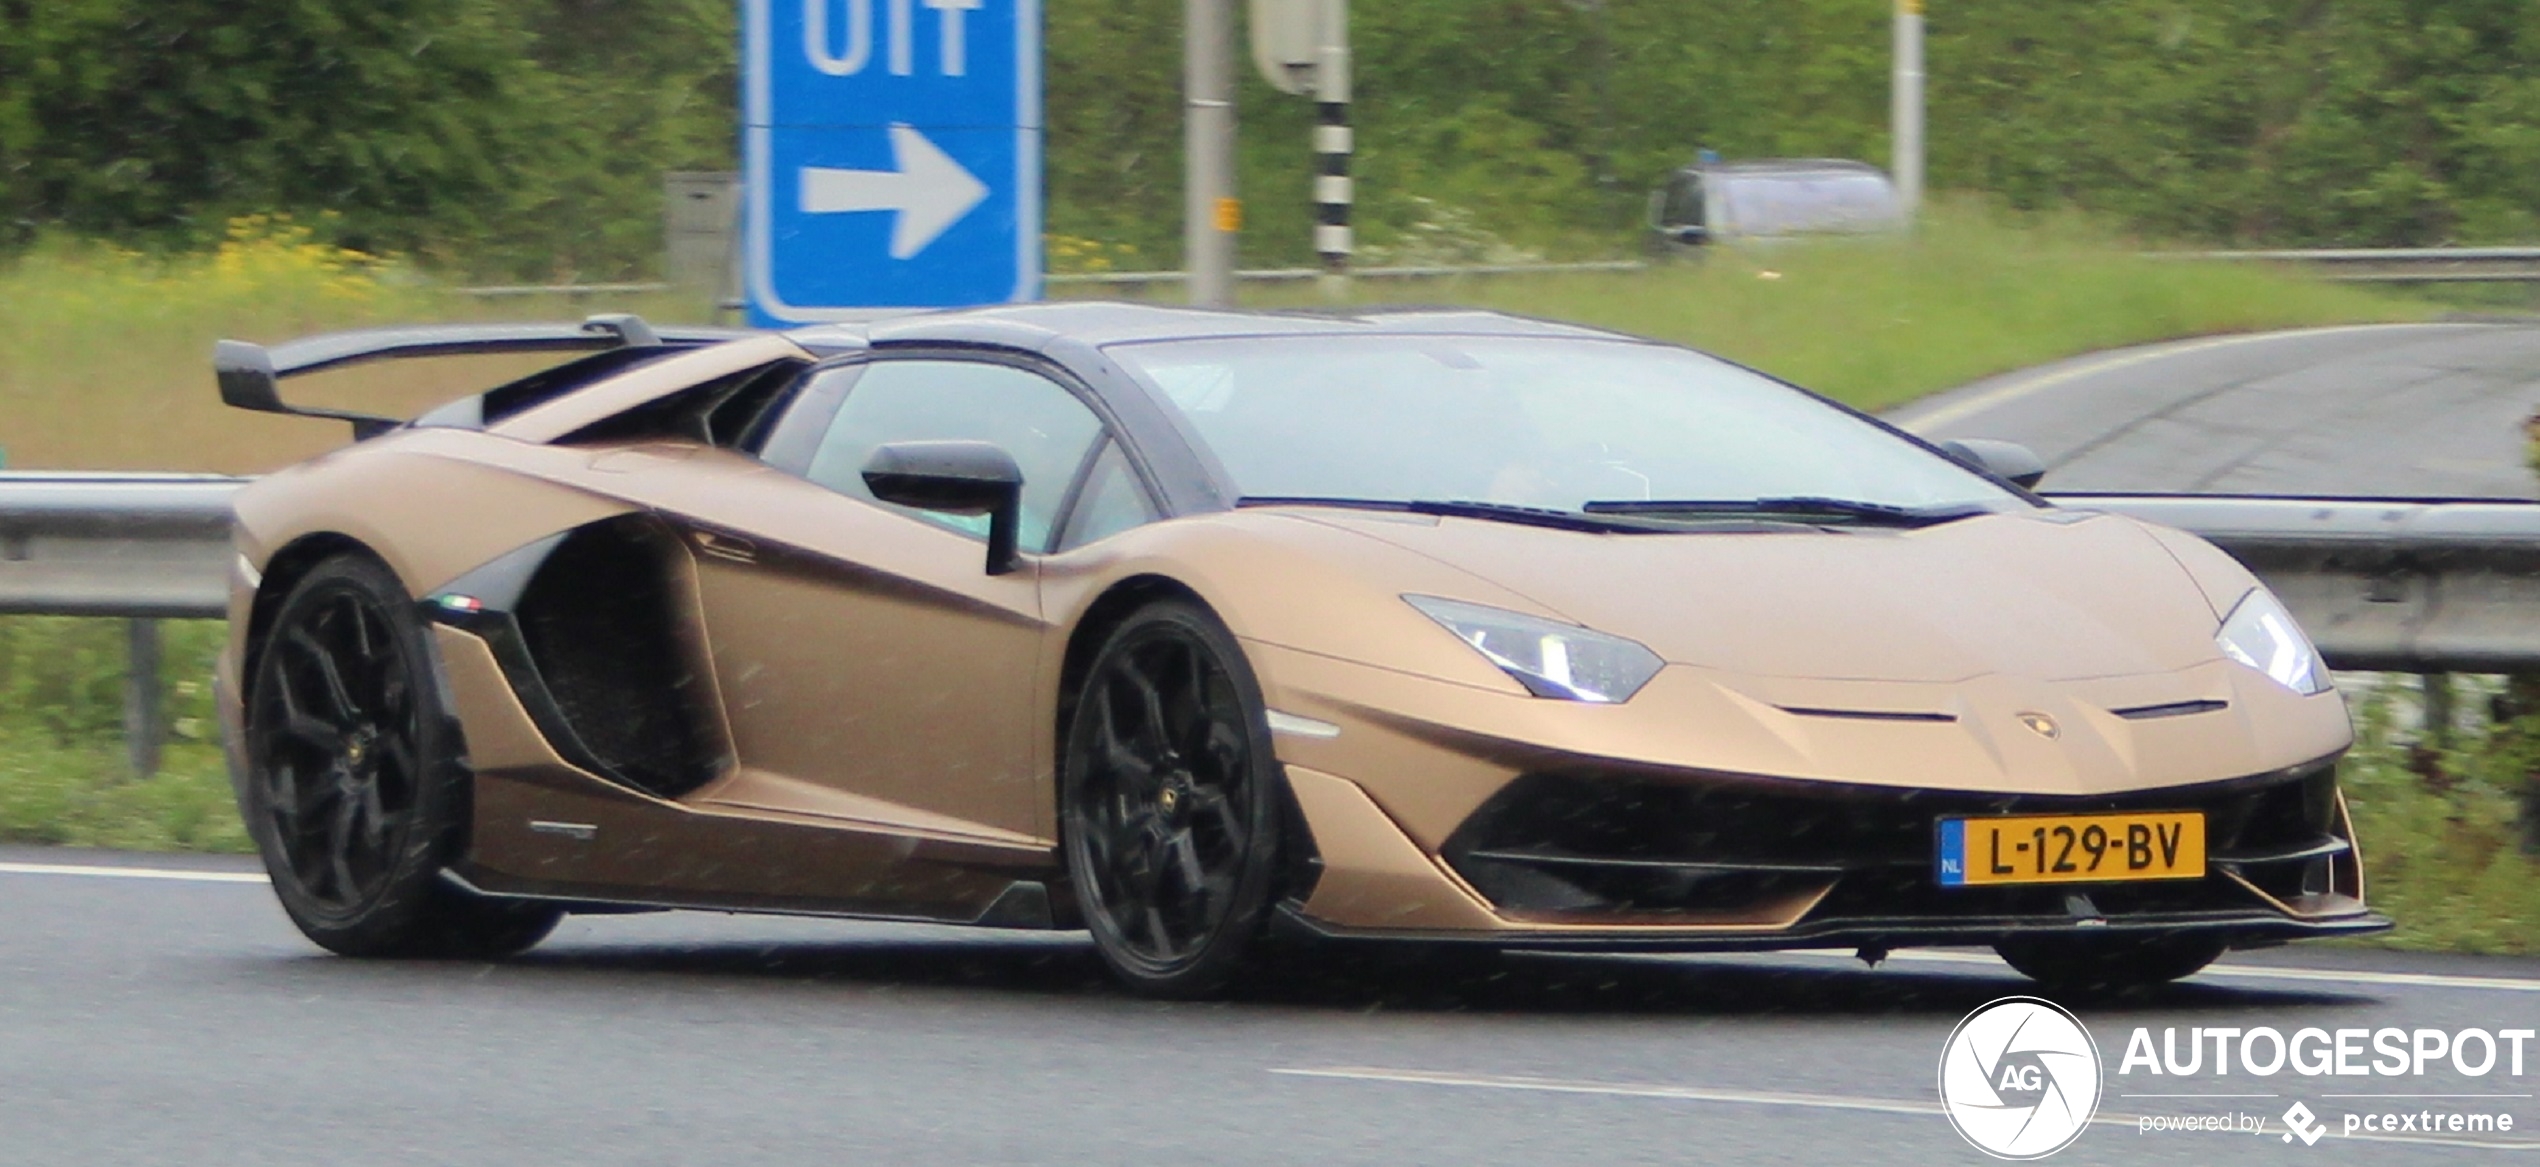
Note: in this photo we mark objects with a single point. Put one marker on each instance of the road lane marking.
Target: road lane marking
(1613, 1089)
(2267, 973)
(1960, 410)
(1769, 1098)
(165, 873)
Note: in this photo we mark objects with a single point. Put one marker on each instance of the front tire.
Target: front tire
(355, 795)
(2108, 964)
(1171, 803)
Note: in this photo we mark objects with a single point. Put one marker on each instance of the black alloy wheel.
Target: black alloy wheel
(353, 794)
(1172, 803)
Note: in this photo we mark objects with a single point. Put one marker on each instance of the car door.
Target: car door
(869, 667)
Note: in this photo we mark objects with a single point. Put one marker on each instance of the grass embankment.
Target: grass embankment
(63, 778)
(1876, 323)
(105, 356)
(104, 365)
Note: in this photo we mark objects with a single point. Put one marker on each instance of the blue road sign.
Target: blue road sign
(892, 155)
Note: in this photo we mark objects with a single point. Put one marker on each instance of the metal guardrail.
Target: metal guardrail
(1123, 279)
(2395, 585)
(146, 545)
(2394, 265)
(501, 291)
(2386, 265)
(1299, 275)
(2399, 265)
(139, 546)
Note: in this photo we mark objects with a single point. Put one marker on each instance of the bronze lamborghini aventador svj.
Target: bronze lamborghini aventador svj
(1209, 632)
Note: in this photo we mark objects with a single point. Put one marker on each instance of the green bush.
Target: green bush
(509, 139)
(2443, 827)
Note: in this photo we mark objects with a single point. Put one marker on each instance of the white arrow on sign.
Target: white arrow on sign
(930, 191)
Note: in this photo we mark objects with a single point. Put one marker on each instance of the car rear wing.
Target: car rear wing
(250, 374)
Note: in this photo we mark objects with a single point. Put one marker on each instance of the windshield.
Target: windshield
(1790, 202)
(1553, 423)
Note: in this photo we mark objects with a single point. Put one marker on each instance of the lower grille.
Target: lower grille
(1580, 846)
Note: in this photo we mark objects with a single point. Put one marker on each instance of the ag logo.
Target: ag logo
(2019, 1078)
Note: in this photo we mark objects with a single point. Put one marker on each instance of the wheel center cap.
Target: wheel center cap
(357, 747)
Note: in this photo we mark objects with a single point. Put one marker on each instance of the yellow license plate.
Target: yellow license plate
(2071, 848)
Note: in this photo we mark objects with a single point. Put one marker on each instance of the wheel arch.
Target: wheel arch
(1101, 617)
(283, 571)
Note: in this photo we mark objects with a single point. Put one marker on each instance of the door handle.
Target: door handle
(722, 546)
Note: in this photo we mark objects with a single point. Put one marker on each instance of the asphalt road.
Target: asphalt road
(182, 1021)
(2407, 409)
(176, 1018)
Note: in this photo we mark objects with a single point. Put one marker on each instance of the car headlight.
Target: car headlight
(2259, 633)
(1550, 658)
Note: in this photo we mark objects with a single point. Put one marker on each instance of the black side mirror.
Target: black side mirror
(957, 478)
(2008, 461)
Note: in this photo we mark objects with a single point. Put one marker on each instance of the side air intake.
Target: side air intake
(603, 626)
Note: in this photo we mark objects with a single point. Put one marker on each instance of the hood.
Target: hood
(2048, 595)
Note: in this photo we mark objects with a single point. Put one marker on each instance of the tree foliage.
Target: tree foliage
(527, 136)
(478, 133)
(155, 118)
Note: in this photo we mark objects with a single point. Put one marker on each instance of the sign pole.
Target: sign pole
(1211, 213)
(1905, 111)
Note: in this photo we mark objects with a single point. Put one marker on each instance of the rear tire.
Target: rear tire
(2108, 964)
(355, 794)
(1170, 799)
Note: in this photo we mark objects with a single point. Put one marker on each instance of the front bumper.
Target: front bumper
(1694, 862)
(2237, 930)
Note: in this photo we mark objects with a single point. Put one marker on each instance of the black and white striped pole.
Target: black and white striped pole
(1302, 47)
(1333, 189)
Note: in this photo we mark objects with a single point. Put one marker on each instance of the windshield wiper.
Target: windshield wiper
(1855, 510)
(1501, 512)
(1459, 509)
